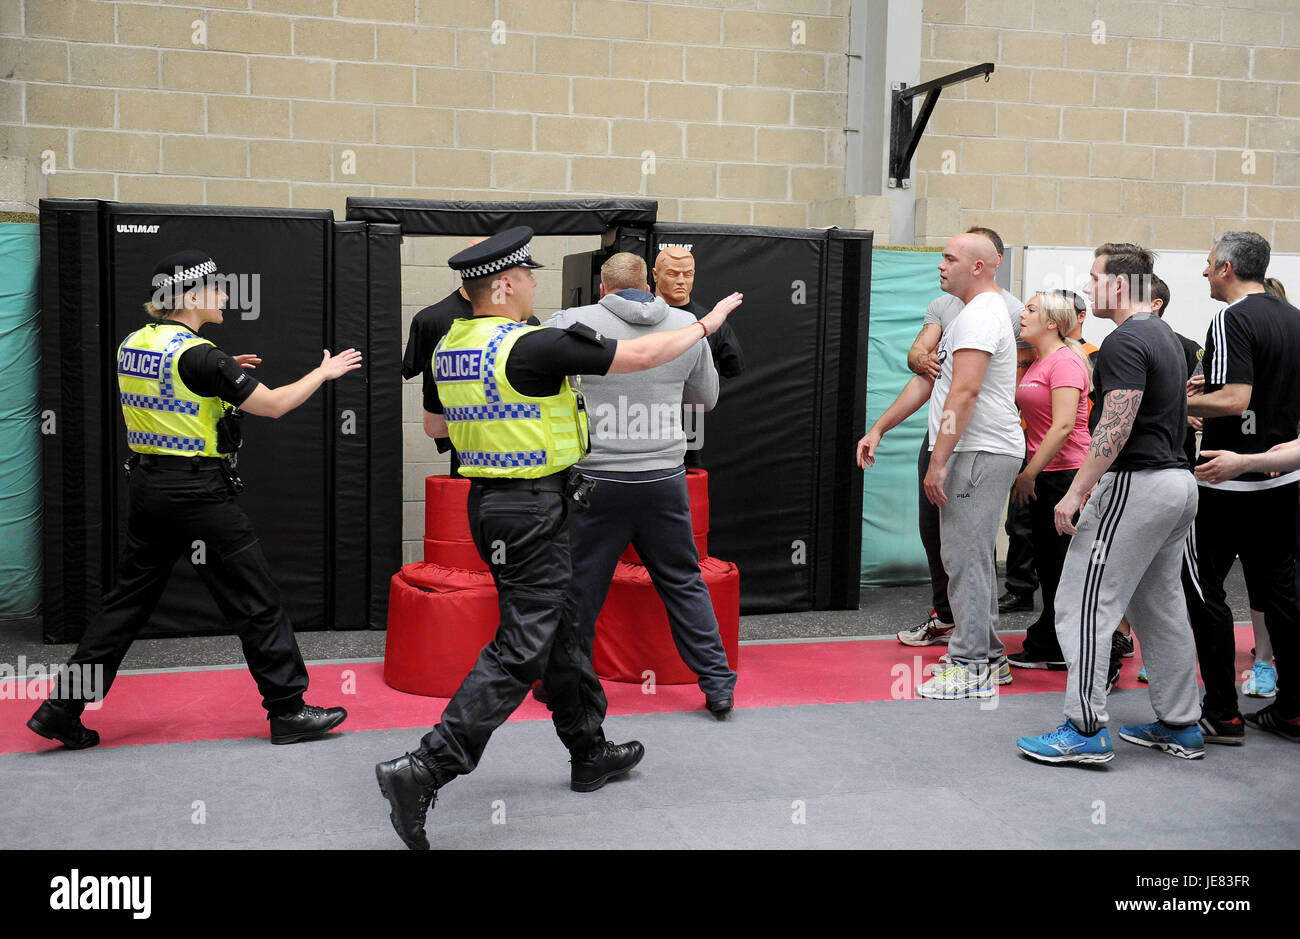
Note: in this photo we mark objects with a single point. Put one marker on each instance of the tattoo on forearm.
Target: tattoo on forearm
(1116, 423)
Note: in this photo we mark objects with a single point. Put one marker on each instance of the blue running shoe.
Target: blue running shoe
(1067, 745)
(1261, 682)
(1186, 742)
(1142, 676)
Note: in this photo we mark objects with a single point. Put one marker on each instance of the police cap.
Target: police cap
(182, 271)
(499, 253)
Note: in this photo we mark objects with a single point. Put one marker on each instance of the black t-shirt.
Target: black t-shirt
(1256, 342)
(539, 361)
(427, 329)
(728, 358)
(1191, 352)
(209, 372)
(1143, 355)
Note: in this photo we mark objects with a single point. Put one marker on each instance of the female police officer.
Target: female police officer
(174, 388)
(518, 426)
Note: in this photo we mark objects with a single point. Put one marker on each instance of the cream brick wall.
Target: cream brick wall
(559, 97)
(1181, 124)
(746, 125)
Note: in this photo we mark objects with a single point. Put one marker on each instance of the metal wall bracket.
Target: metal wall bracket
(904, 135)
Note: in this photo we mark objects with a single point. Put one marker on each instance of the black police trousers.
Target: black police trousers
(522, 533)
(171, 507)
(1254, 526)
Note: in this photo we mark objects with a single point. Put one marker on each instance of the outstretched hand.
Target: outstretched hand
(336, 366)
(714, 319)
(249, 361)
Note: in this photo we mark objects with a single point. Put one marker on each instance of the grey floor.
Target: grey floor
(905, 774)
(868, 775)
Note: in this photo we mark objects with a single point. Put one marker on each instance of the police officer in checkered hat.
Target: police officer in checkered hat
(177, 392)
(518, 424)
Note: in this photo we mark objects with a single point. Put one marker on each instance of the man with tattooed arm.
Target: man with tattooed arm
(1136, 500)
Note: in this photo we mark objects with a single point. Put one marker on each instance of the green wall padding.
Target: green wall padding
(20, 436)
(902, 285)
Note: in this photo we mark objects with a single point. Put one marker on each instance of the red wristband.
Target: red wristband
(703, 327)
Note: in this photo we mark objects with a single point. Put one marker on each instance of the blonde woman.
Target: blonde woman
(1053, 400)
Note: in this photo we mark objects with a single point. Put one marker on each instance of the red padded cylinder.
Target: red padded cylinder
(632, 634)
(439, 619)
(447, 539)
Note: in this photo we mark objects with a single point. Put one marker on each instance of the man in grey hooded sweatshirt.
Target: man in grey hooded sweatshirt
(637, 452)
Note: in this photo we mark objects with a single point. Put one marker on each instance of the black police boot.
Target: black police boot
(720, 707)
(603, 764)
(308, 722)
(410, 789)
(54, 721)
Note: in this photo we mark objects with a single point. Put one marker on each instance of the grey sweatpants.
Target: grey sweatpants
(1127, 560)
(976, 487)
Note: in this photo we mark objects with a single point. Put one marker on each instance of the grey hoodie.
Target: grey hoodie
(635, 417)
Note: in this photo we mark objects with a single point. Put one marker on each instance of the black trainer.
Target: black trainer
(307, 723)
(410, 789)
(1028, 658)
(608, 761)
(1269, 719)
(54, 722)
(1124, 644)
(720, 707)
(1230, 731)
(1011, 602)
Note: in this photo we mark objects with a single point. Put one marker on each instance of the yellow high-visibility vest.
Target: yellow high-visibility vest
(497, 431)
(162, 415)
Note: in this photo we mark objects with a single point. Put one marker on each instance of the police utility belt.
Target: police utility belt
(570, 482)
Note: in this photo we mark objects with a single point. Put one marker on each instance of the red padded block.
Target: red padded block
(697, 490)
(447, 540)
(632, 634)
(439, 619)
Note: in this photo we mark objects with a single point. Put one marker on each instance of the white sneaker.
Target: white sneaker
(956, 682)
(933, 632)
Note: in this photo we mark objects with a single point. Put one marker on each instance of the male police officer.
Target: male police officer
(174, 390)
(518, 426)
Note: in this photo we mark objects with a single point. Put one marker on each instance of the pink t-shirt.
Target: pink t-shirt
(1061, 369)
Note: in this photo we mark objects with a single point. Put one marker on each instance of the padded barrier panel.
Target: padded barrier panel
(348, 410)
(439, 619)
(632, 634)
(774, 442)
(20, 421)
(555, 217)
(384, 384)
(323, 482)
(280, 257)
(75, 471)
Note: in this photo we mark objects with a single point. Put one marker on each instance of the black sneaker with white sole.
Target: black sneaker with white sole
(1229, 732)
(1030, 659)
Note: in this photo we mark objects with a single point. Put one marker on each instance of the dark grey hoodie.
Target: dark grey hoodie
(635, 417)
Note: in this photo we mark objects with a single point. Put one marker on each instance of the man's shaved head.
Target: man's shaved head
(675, 275)
(969, 262)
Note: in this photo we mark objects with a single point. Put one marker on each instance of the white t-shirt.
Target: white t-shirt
(944, 309)
(994, 422)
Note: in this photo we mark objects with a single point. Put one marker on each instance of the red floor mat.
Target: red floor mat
(178, 707)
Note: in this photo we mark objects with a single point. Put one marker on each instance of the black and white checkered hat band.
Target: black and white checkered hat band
(188, 275)
(513, 259)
